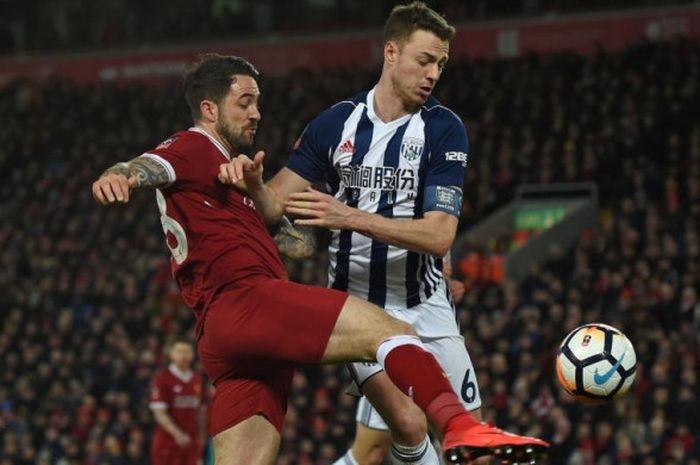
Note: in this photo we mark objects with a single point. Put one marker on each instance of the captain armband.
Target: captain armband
(446, 199)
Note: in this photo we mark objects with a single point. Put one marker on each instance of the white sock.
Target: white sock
(422, 454)
(347, 459)
(392, 343)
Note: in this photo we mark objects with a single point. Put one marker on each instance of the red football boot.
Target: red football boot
(462, 444)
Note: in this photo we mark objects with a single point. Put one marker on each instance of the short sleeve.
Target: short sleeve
(449, 152)
(311, 155)
(159, 397)
(177, 155)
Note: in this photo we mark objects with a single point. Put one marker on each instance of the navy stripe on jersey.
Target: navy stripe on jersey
(333, 179)
(363, 138)
(434, 272)
(412, 289)
(428, 283)
(413, 258)
(429, 276)
(380, 250)
(437, 269)
(438, 264)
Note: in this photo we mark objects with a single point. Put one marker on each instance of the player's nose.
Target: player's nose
(433, 73)
(255, 113)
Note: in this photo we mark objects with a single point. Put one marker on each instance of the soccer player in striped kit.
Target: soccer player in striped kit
(393, 160)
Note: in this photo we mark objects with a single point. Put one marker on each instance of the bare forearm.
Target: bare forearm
(270, 199)
(166, 422)
(418, 235)
(267, 202)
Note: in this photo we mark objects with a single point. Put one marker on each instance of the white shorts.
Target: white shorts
(452, 355)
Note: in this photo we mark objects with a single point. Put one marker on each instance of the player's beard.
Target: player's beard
(238, 137)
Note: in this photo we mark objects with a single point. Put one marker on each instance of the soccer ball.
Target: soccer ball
(596, 363)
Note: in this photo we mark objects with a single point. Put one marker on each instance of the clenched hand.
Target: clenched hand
(113, 187)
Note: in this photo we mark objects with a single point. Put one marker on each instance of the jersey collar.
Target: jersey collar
(218, 145)
(184, 376)
(376, 120)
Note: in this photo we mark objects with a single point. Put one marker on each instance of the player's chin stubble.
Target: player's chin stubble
(240, 142)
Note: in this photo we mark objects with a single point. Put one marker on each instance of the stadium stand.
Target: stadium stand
(70, 25)
(88, 300)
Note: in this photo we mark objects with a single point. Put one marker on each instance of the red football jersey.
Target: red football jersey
(213, 231)
(181, 395)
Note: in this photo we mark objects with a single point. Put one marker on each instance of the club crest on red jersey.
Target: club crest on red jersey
(167, 142)
(248, 202)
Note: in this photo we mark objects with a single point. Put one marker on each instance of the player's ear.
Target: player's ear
(209, 110)
(391, 52)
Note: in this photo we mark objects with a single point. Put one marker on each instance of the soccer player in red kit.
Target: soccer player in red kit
(176, 402)
(253, 325)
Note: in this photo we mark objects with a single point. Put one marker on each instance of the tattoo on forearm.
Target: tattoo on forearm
(296, 243)
(119, 168)
(149, 172)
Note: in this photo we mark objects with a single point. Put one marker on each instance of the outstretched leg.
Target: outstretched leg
(363, 331)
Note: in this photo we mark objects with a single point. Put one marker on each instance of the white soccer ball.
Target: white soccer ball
(596, 363)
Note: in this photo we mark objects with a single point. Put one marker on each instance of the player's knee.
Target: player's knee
(223, 455)
(409, 426)
(370, 454)
(236, 459)
(394, 328)
(222, 458)
(400, 328)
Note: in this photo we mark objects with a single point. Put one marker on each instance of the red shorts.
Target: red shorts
(254, 336)
(165, 451)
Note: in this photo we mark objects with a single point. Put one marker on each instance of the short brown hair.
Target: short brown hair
(210, 79)
(404, 20)
(179, 339)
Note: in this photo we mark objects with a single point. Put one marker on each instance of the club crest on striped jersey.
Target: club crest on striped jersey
(411, 148)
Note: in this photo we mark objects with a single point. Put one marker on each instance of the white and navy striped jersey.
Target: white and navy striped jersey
(382, 168)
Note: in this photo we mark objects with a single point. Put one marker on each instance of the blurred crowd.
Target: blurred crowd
(88, 301)
(69, 25)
